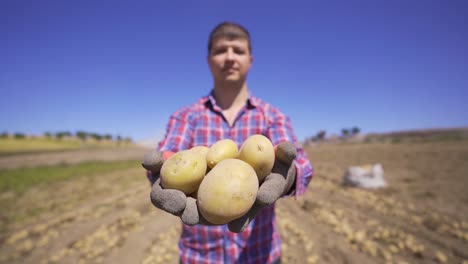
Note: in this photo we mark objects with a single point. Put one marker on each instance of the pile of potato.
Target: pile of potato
(223, 179)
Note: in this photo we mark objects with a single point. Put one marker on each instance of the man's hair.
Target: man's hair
(230, 31)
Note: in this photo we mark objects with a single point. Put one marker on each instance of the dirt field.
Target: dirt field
(422, 217)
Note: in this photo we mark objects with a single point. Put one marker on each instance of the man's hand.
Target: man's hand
(278, 183)
(170, 200)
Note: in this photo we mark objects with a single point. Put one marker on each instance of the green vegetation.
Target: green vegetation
(15, 145)
(10, 145)
(19, 135)
(20, 180)
(18, 142)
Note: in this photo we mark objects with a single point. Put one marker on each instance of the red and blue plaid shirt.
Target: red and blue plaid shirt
(202, 124)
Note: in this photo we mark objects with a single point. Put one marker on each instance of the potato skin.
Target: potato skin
(201, 149)
(227, 192)
(183, 171)
(222, 149)
(258, 152)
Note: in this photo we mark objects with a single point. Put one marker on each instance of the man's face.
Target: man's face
(229, 60)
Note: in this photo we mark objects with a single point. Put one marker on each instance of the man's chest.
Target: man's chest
(214, 126)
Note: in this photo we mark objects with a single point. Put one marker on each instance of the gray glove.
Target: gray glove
(170, 200)
(278, 183)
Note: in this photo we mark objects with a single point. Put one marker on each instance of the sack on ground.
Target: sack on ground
(367, 176)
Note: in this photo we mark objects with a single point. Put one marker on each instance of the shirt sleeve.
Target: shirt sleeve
(178, 132)
(177, 137)
(280, 130)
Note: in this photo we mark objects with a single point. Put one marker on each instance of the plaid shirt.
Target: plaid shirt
(202, 123)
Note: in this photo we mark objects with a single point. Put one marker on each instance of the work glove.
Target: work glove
(278, 183)
(170, 200)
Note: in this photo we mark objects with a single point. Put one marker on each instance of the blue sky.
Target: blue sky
(121, 67)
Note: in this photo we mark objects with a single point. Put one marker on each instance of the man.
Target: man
(231, 111)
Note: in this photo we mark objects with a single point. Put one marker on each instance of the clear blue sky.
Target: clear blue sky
(121, 67)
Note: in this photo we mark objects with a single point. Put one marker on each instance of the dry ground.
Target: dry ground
(421, 218)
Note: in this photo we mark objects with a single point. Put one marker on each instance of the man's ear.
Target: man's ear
(251, 61)
(208, 60)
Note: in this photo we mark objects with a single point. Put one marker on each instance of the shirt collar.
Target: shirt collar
(252, 101)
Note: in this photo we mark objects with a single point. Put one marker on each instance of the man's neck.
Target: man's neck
(231, 97)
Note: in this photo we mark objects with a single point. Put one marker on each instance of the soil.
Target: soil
(421, 217)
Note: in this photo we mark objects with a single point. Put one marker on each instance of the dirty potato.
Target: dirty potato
(222, 149)
(183, 171)
(228, 191)
(258, 152)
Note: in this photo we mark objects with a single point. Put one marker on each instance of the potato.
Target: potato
(222, 149)
(201, 149)
(258, 152)
(183, 171)
(227, 192)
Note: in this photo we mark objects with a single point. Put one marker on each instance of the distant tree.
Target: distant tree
(4, 134)
(355, 131)
(318, 137)
(108, 137)
(96, 136)
(345, 132)
(58, 135)
(119, 138)
(321, 135)
(47, 134)
(19, 135)
(62, 134)
(81, 135)
(128, 140)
